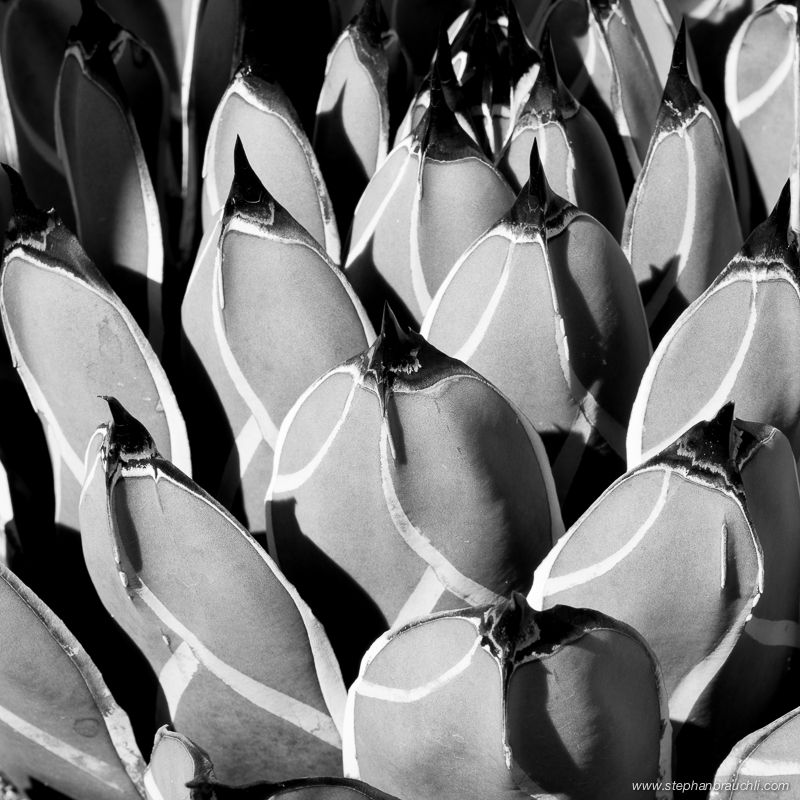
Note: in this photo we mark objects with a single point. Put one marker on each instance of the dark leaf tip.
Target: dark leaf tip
(129, 439)
(369, 22)
(27, 220)
(707, 453)
(394, 353)
(681, 97)
(770, 244)
(248, 194)
(507, 626)
(531, 206)
(95, 29)
(254, 63)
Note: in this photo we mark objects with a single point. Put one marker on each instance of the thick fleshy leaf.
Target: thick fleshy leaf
(297, 789)
(72, 339)
(215, 47)
(59, 724)
(9, 148)
(158, 23)
(502, 701)
(32, 51)
(672, 549)
(351, 132)
(116, 207)
(606, 65)
(450, 480)
(32, 48)
(147, 92)
(175, 761)
(433, 196)
(572, 148)
(760, 95)
(764, 765)
(256, 109)
(545, 307)
(681, 227)
(191, 587)
(267, 313)
(738, 341)
(772, 636)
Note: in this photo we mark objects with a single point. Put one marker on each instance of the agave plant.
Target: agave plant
(328, 339)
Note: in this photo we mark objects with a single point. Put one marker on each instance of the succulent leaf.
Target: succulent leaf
(265, 705)
(266, 313)
(59, 724)
(680, 233)
(484, 702)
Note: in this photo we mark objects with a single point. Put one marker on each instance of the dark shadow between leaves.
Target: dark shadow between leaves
(374, 292)
(341, 166)
(349, 615)
(210, 432)
(70, 593)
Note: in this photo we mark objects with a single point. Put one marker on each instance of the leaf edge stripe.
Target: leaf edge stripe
(562, 583)
(91, 765)
(303, 716)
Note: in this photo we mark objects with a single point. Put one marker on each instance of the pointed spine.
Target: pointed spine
(530, 209)
(393, 352)
(706, 453)
(438, 134)
(681, 100)
(770, 245)
(550, 99)
(127, 439)
(248, 197)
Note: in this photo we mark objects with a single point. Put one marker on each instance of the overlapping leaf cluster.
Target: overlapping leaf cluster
(538, 536)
